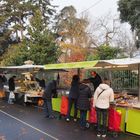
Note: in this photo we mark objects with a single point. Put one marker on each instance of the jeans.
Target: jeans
(48, 107)
(71, 102)
(102, 120)
(83, 115)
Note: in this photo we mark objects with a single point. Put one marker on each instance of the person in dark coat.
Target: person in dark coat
(95, 79)
(3, 80)
(50, 90)
(11, 84)
(41, 82)
(73, 96)
(83, 103)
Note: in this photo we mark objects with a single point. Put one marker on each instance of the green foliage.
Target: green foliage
(130, 12)
(42, 46)
(13, 56)
(68, 26)
(104, 53)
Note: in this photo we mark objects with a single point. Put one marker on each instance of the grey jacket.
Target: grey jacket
(50, 89)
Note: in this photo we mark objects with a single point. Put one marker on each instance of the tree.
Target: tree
(46, 8)
(39, 47)
(15, 18)
(15, 14)
(104, 52)
(130, 12)
(41, 42)
(71, 31)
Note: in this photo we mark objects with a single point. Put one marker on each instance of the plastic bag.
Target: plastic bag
(114, 120)
(64, 105)
(11, 95)
(92, 113)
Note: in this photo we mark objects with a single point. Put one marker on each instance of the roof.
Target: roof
(125, 63)
(84, 64)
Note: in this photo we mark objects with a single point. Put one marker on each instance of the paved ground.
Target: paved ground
(19, 122)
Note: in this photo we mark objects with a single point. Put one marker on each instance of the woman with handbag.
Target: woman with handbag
(102, 97)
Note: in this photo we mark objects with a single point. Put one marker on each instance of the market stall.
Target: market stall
(27, 88)
(125, 103)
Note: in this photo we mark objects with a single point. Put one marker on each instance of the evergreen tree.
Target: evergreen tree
(39, 47)
(130, 12)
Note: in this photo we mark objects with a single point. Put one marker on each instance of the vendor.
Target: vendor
(95, 79)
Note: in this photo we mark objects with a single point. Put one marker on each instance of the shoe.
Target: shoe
(67, 119)
(98, 135)
(75, 120)
(104, 135)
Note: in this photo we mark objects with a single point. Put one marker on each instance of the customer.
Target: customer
(49, 91)
(41, 82)
(11, 84)
(103, 96)
(2, 82)
(83, 103)
(73, 96)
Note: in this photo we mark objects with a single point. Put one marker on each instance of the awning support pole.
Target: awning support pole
(78, 72)
(139, 82)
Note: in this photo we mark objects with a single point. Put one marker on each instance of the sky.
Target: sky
(96, 8)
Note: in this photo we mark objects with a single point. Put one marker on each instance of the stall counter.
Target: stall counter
(133, 121)
(56, 102)
(130, 121)
(123, 117)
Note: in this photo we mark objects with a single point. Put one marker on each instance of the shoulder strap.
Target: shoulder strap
(100, 93)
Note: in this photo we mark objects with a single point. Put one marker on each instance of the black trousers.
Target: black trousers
(71, 102)
(102, 120)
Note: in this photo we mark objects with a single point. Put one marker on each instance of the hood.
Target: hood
(104, 86)
(82, 86)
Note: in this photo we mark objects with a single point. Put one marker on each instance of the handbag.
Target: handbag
(100, 93)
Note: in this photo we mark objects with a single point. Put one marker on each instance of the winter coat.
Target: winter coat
(104, 98)
(11, 84)
(83, 102)
(74, 90)
(2, 81)
(49, 90)
(96, 81)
